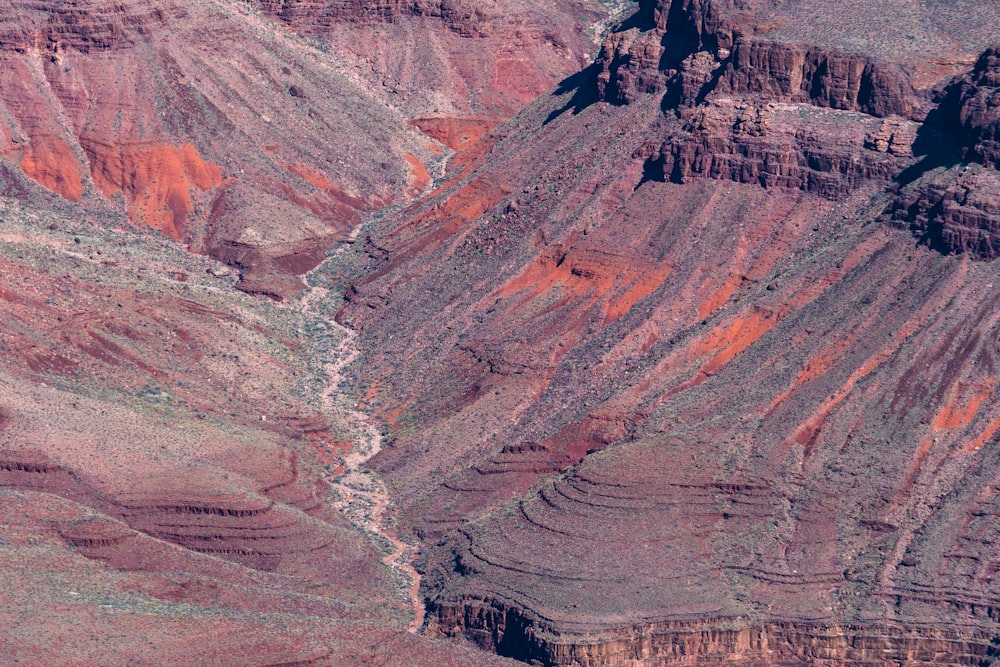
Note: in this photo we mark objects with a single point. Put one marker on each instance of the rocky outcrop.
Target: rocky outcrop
(85, 26)
(828, 153)
(495, 626)
(747, 107)
(629, 63)
(951, 200)
(772, 71)
(979, 115)
(269, 258)
(953, 210)
(694, 48)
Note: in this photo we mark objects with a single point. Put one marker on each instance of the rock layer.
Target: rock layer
(691, 399)
(161, 477)
(949, 200)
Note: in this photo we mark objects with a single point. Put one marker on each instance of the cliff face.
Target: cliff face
(747, 106)
(951, 199)
(696, 48)
(494, 626)
(742, 101)
(691, 398)
(783, 145)
(979, 113)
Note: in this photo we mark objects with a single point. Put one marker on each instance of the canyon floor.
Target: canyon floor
(473, 333)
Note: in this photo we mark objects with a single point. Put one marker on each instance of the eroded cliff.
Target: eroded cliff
(692, 398)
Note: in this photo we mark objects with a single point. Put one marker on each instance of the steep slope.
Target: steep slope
(164, 460)
(216, 126)
(171, 451)
(196, 119)
(468, 61)
(693, 393)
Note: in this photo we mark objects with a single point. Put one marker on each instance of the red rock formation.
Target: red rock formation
(157, 181)
(980, 111)
(455, 133)
(691, 401)
(950, 199)
(783, 145)
(50, 162)
(140, 106)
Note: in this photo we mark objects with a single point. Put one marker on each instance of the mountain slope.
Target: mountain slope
(679, 378)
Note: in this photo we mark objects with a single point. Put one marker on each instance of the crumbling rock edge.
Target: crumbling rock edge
(509, 630)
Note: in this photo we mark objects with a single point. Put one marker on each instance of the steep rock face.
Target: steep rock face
(691, 400)
(494, 626)
(90, 25)
(747, 106)
(824, 78)
(796, 51)
(980, 111)
(829, 153)
(953, 210)
(951, 202)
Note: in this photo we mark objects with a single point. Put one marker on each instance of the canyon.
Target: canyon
(439, 333)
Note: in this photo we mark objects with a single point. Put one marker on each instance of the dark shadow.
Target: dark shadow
(652, 171)
(517, 641)
(938, 141)
(933, 236)
(685, 36)
(637, 20)
(712, 83)
(583, 85)
(671, 100)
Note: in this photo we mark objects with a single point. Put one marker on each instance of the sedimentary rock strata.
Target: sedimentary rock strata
(692, 398)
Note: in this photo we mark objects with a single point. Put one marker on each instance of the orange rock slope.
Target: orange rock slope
(158, 108)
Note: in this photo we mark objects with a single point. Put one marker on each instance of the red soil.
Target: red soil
(50, 161)
(963, 406)
(321, 182)
(419, 176)
(457, 134)
(156, 179)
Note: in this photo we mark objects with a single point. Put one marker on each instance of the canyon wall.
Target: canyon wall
(694, 394)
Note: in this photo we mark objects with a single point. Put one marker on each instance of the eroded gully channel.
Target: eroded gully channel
(362, 497)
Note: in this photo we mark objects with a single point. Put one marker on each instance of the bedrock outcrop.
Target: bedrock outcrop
(826, 152)
(679, 394)
(793, 52)
(950, 199)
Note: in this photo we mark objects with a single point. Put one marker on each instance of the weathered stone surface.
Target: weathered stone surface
(979, 115)
(680, 395)
(829, 153)
(951, 202)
